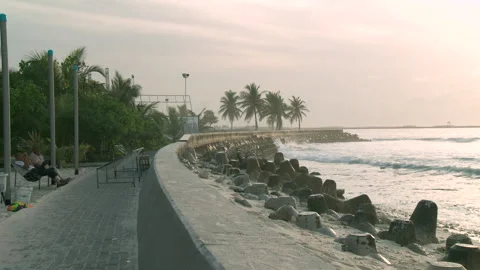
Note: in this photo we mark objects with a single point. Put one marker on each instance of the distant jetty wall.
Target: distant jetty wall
(261, 142)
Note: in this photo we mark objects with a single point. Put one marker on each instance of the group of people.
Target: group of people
(35, 163)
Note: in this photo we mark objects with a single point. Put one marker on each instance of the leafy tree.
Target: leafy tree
(124, 90)
(229, 107)
(274, 110)
(251, 102)
(297, 110)
(207, 121)
(106, 117)
(174, 124)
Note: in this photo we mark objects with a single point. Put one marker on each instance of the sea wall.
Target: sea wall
(166, 239)
(175, 208)
(260, 143)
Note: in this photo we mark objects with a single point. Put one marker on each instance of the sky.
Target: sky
(355, 63)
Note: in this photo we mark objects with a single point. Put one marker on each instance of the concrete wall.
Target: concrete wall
(165, 238)
(206, 138)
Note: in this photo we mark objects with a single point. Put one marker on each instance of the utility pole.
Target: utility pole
(75, 110)
(51, 86)
(185, 75)
(7, 144)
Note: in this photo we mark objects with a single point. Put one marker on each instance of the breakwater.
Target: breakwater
(261, 143)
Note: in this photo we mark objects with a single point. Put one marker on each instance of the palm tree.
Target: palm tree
(173, 124)
(251, 102)
(124, 90)
(63, 72)
(146, 110)
(274, 110)
(297, 110)
(77, 57)
(229, 108)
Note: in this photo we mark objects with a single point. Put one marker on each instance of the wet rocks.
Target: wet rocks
(274, 181)
(203, 174)
(425, 219)
(221, 158)
(317, 203)
(465, 254)
(309, 220)
(295, 164)
(333, 214)
(302, 193)
(242, 201)
(457, 238)
(241, 180)
(270, 167)
(286, 213)
(278, 158)
(256, 189)
(276, 203)
(402, 232)
(286, 169)
(226, 169)
(303, 170)
(351, 205)
(347, 219)
(252, 165)
(417, 249)
(263, 177)
(330, 187)
(367, 212)
(190, 154)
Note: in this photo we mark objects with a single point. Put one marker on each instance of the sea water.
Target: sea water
(400, 167)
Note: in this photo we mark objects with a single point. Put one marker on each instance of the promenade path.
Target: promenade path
(75, 227)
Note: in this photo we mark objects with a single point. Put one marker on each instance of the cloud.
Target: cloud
(350, 55)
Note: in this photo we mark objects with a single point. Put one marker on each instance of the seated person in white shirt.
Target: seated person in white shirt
(44, 169)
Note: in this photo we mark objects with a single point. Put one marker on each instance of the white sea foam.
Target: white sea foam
(400, 167)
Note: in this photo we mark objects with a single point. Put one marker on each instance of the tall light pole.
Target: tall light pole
(185, 75)
(75, 113)
(51, 87)
(6, 107)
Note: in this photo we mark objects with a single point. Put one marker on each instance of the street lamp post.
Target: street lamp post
(6, 107)
(185, 75)
(51, 88)
(75, 112)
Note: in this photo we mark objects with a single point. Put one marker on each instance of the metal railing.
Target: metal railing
(126, 167)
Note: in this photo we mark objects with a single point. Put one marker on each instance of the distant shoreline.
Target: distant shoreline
(411, 127)
(344, 128)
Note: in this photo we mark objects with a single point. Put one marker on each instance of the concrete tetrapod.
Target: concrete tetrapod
(364, 245)
(445, 266)
(466, 255)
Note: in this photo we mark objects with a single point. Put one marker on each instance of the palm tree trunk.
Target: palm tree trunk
(256, 123)
(231, 125)
(298, 124)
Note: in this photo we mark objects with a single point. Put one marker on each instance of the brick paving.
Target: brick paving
(75, 227)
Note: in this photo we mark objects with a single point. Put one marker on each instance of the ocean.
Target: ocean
(400, 167)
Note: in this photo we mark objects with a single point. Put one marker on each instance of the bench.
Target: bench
(31, 177)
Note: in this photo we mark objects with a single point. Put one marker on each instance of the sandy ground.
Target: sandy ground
(324, 246)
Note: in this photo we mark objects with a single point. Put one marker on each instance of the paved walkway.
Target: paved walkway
(75, 227)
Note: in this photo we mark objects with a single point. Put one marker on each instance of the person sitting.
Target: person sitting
(44, 169)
